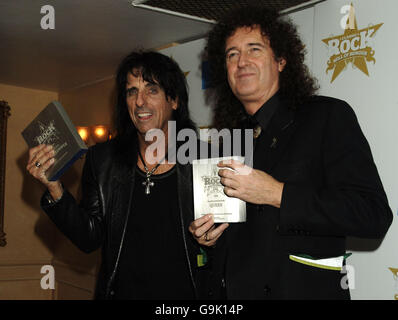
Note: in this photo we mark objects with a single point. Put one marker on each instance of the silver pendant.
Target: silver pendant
(148, 184)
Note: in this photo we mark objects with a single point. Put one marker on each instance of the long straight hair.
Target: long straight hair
(156, 68)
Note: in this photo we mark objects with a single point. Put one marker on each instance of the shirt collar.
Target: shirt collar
(267, 110)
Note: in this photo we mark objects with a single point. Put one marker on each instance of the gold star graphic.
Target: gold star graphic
(354, 46)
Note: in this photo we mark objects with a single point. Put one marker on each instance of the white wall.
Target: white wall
(188, 56)
(375, 101)
(304, 20)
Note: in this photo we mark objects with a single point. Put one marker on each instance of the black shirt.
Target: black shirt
(263, 117)
(153, 263)
(260, 119)
(264, 114)
(258, 222)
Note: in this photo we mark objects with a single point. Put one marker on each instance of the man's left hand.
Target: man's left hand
(250, 185)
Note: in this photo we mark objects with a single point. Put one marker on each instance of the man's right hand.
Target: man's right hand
(41, 158)
(205, 232)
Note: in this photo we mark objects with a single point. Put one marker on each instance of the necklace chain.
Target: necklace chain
(148, 183)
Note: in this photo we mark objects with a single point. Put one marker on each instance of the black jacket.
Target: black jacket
(332, 190)
(100, 219)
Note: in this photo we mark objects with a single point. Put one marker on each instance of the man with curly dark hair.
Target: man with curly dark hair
(314, 181)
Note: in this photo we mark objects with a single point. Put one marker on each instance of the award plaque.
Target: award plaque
(209, 196)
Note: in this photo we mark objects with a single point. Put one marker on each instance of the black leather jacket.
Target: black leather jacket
(100, 219)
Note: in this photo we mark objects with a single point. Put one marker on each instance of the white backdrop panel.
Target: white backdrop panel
(375, 101)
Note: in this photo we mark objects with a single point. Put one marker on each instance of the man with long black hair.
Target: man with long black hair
(136, 205)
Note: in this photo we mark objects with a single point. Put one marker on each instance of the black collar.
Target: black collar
(264, 115)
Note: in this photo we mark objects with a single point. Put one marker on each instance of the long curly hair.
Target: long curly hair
(295, 82)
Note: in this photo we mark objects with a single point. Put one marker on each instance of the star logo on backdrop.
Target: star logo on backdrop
(353, 46)
(395, 275)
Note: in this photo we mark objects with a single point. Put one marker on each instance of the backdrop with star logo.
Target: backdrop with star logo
(354, 59)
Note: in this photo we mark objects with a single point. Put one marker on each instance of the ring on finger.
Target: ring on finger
(37, 164)
(207, 236)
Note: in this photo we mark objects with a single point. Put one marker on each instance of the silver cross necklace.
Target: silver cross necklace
(148, 183)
